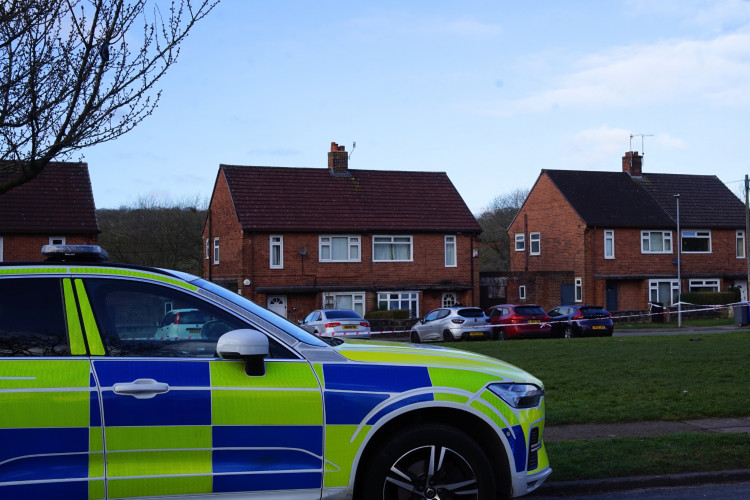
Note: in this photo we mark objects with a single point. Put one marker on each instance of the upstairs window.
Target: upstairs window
(450, 251)
(535, 244)
(339, 248)
(740, 245)
(696, 241)
(520, 242)
(391, 248)
(609, 244)
(276, 251)
(656, 241)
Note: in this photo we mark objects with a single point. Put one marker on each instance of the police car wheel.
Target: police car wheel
(430, 461)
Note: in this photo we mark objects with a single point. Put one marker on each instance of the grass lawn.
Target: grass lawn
(625, 379)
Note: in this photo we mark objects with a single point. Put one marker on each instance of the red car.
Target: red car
(511, 321)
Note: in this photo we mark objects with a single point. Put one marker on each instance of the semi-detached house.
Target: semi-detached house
(615, 236)
(299, 239)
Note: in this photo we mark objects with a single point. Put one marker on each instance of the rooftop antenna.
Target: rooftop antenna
(354, 145)
(643, 152)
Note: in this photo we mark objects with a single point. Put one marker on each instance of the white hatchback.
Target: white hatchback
(336, 323)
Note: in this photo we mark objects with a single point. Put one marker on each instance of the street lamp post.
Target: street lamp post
(679, 265)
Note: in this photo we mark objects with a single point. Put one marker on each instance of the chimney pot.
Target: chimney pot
(632, 163)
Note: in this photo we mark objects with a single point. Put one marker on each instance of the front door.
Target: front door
(277, 304)
(612, 296)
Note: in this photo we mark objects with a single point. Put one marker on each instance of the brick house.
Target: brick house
(298, 239)
(616, 235)
(55, 207)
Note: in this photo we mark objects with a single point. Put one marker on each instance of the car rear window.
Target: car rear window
(473, 312)
(594, 310)
(194, 317)
(528, 310)
(342, 315)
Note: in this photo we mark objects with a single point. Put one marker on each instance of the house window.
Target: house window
(389, 301)
(579, 290)
(216, 250)
(57, 240)
(208, 248)
(277, 251)
(696, 241)
(1, 248)
(704, 285)
(449, 299)
(656, 241)
(522, 292)
(520, 243)
(666, 292)
(339, 249)
(391, 248)
(450, 251)
(354, 301)
(740, 245)
(535, 244)
(609, 244)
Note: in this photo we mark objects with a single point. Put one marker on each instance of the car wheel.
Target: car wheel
(568, 332)
(429, 461)
(448, 336)
(415, 338)
(499, 334)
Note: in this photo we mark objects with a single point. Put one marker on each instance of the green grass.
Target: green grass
(623, 457)
(626, 379)
(673, 323)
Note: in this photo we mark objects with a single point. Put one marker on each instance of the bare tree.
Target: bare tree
(74, 73)
(494, 249)
(155, 233)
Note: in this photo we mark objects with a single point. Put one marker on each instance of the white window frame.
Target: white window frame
(208, 248)
(713, 285)
(353, 245)
(357, 299)
(535, 240)
(450, 251)
(702, 234)
(520, 242)
(579, 290)
(276, 251)
(609, 243)
(385, 299)
(61, 240)
(740, 246)
(646, 242)
(216, 250)
(392, 241)
(653, 291)
(522, 292)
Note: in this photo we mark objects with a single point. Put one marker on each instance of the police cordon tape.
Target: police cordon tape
(668, 311)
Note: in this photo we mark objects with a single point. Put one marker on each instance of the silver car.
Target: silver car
(336, 323)
(451, 323)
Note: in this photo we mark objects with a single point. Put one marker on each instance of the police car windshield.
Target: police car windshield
(275, 319)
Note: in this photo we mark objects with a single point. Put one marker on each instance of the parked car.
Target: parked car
(182, 323)
(451, 323)
(264, 410)
(511, 321)
(580, 320)
(336, 322)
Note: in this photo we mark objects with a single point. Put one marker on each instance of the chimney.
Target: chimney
(632, 163)
(338, 159)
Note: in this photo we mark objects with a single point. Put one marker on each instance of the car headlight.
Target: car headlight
(518, 395)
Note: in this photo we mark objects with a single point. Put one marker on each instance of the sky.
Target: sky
(489, 92)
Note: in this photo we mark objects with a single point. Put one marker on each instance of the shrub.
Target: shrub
(710, 298)
(392, 314)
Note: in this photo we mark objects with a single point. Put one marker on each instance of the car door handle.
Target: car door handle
(143, 388)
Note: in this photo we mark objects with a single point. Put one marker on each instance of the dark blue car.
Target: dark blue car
(580, 320)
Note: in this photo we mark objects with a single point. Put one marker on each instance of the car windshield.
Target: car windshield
(472, 312)
(529, 310)
(267, 315)
(342, 314)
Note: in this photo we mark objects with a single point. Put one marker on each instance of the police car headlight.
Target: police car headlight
(518, 395)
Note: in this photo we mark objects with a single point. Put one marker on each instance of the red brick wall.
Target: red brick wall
(222, 223)
(28, 247)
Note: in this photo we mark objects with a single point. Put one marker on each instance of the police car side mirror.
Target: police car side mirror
(248, 345)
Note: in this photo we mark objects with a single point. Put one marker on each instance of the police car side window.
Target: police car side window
(130, 316)
(32, 318)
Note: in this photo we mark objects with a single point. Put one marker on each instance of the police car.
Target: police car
(94, 405)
